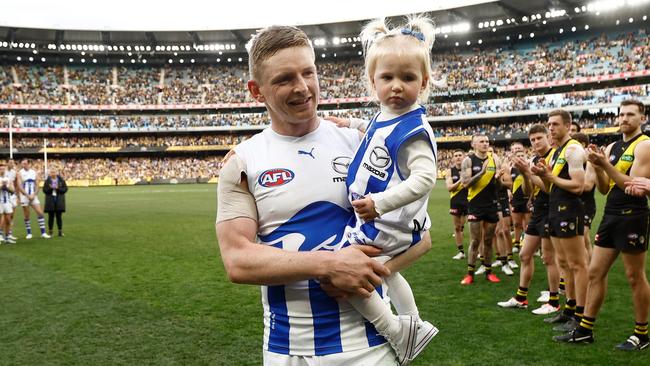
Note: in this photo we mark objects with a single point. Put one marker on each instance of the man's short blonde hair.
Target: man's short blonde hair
(268, 41)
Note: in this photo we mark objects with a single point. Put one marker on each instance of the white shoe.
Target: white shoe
(459, 256)
(497, 263)
(29, 236)
(544, 296)
(513, 264)
(404, 341)
(45, 236)
(515, 250)
(546, 309)
(513, 303)
(506, 269)
(426, 332)
(480, 270)
(10, 241)
(13, 237)
(538, 253)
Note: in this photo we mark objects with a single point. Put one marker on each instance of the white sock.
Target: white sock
(377, 312)
(401, 295)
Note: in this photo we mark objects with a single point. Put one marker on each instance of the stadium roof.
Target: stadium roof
(128, 21)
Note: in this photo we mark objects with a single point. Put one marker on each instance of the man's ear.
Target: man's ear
(254, 89)
(425, 82)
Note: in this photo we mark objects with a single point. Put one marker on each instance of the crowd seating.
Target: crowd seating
(466, 69)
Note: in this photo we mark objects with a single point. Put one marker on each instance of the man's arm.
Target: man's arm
(575, 158)
(466, 173)
(248, 262)
(451, 186)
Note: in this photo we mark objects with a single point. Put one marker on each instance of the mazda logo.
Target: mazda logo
(341, 164)
(379, 157)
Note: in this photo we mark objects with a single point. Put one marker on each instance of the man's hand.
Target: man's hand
(338, 121)
(596, 156)
(638, 186)
(542, 169)
(365, 208)
(354, 272)
(521, 165)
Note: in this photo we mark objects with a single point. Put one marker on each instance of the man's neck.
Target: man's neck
(481, 155)
(543, 151)
(295, 130)
(629, 136)
(564, 140)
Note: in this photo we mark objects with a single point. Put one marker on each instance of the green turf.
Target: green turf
(138, 280)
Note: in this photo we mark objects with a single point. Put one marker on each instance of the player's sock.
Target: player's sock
(509, 257)
(488, 268)
(401, 295)
(562, 284)
(460, 249)
(28, 227)
(470, 269)
(503, 260)
(641, 331)
(554, 299)
(11, 232)
(570, 307)
(41, 224)
(579, 313)
(2, 233)
(522, 294)
(516, 243)
(587, 324)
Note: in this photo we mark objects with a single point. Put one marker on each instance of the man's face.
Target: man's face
(573, 129)
(515, 148)
(288, 85)
(539, 142)
(3, 169)
(25, 164)
(630, 118)
(557, 128)
(481, 144)
(458, 158)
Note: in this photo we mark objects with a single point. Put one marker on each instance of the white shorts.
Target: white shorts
(6, 208)
(14, 200)
(381, 355)
(25, 202)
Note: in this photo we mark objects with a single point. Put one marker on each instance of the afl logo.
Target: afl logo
(379, 157)
(275, 177)
(341, 164)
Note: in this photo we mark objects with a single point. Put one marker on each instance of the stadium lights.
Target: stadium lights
(71, 60)
(42, 59)
(573, 29)
(229, 59)
(561, 30)
(319, 42)
(18, 58)
(455, 28)
(144, 61)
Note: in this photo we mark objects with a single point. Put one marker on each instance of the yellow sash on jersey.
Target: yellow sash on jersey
(559, 164)
(536, 189)
(457, 190)
(490, 171)
(626, 160)
(517, 183)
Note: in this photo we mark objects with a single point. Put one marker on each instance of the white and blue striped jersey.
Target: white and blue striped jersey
(375, 169)
(29, 180)
(299, 188)
(5, 194)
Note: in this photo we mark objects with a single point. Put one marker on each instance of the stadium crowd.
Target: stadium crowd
(468, 69)
(127, 141)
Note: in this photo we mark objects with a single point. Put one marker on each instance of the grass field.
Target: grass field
(138, 280)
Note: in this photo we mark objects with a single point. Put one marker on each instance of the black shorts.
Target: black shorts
(487, 214)
(520, 207)
(589, 217)
(624, 233)
(458, 210)
(566, 219)
(504, 207)
(538, 225)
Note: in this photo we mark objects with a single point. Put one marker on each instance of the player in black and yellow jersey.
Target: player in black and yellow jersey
(588, 195)
(479, 175)
(565, 176)
(520, 210)
(537, 229)
(457, 200)
(624, 227)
